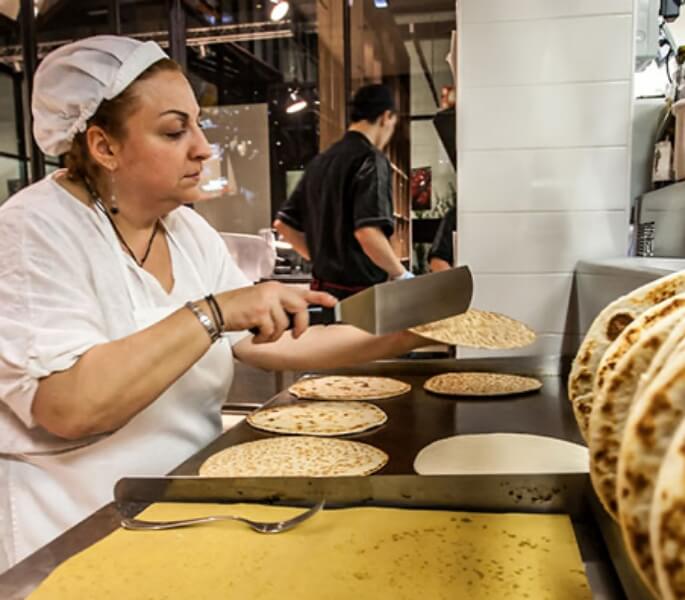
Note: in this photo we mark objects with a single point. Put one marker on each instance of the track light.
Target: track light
(295, 103)
(279, 9)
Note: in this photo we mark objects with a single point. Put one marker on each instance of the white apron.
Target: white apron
(49, 494)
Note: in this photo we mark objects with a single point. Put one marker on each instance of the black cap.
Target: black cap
(370, 102)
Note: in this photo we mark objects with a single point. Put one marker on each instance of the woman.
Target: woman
(114, 296)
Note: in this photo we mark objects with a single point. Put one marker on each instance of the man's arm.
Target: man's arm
(294, 237)
(439, 264)
(377, 247)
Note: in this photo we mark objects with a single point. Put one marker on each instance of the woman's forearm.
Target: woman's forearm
(328, 347)
(112, 382)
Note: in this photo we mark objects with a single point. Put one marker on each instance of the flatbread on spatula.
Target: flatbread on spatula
(612, 404)
(604, 330)
(480, 384)
(478, 329)
(318, 418)
(667, 520)
(652, 423)
(296, 456)
(345, 387)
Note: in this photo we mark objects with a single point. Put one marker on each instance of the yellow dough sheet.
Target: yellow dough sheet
(353, 553)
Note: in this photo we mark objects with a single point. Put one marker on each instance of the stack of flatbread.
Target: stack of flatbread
(627, 387)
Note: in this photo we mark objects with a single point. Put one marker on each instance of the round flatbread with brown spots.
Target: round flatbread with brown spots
(297, 456)
(604, 330)
(667, 520)
(481, 384)
(651, 425)
(612, 404)
(478, 329)
(674, 342)
(345, 387)
(318, 418)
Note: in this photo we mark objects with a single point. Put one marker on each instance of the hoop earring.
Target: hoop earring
(113, 206)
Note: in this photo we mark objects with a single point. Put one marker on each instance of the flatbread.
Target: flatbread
(604, 330)
(651, 425)
(296, 456)
(318, 418)
(478, 329)
(674, 342)
(632, 334)
(612, 405)
(344, 387)
(667, 520)
(501, 454)
(480, 384)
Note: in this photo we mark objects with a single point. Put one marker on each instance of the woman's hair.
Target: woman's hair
(111, 115)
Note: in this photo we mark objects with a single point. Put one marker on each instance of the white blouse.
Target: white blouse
(61, 293)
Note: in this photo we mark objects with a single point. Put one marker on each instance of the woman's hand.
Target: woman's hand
(266, 306)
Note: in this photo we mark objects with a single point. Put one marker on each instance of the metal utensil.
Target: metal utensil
(259, 526)
(397, 305)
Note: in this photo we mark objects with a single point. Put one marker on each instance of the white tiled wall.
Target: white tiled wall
(557, 179)
(545, 116)
(544, 121)
(547, 51)
(490, 11)
(526, 242)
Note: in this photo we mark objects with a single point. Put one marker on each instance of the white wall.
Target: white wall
(544, 122)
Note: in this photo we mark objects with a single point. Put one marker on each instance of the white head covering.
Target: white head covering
(72, 81)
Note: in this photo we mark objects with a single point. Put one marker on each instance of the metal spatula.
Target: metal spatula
(398, 305)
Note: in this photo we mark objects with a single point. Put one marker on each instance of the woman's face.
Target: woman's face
(160, 159)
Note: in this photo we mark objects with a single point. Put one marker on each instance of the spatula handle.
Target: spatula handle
(318, 315)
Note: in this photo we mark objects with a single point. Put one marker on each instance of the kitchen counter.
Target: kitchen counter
(600, 282)
(414, 420)
(636, 266)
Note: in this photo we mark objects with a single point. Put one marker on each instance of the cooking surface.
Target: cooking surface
(370, 552)
(414, 420)
(418, 418)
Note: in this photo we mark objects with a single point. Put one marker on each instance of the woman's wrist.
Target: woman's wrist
(202, 311)
(217, 313)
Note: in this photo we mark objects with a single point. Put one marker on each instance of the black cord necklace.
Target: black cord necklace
(103, 208)
(140, 262)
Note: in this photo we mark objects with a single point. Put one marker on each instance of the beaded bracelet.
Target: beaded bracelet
(213, 331)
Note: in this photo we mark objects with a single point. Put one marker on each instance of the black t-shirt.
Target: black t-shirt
(442, 242)
(346, 187)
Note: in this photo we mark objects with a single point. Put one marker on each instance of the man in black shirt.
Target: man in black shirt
(340, 215)
(441, 254)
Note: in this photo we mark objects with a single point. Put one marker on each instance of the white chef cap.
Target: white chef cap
(72, 81)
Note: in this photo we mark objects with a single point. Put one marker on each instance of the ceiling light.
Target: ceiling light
(295, 103)
(279, 10)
